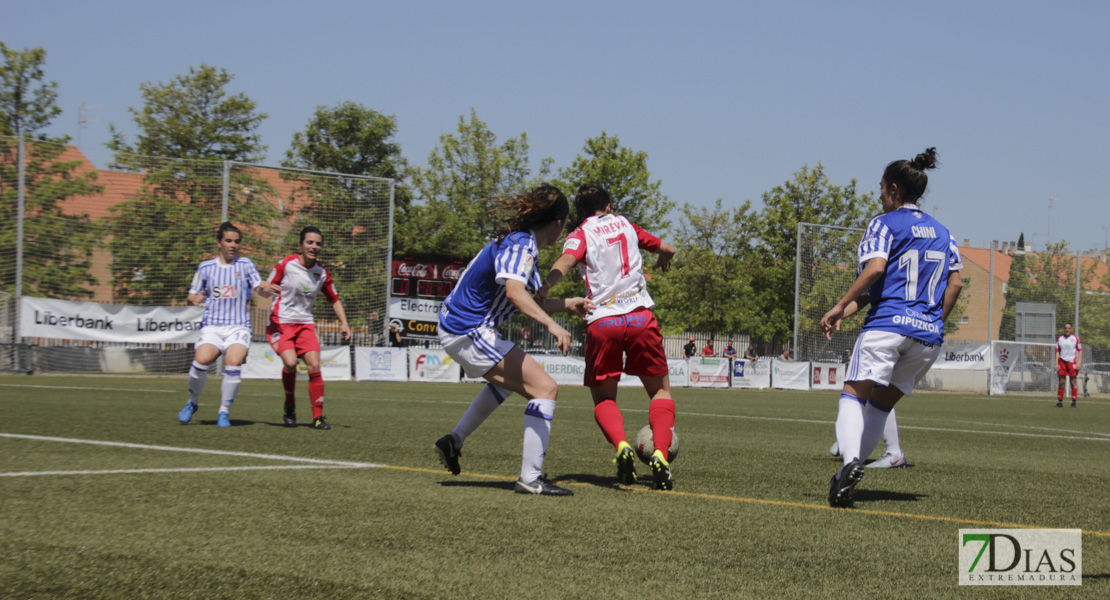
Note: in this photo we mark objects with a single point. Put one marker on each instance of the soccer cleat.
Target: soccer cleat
(889, 461)
(290, 416)
(843, 482)
(224, 420)
(186, 413)
(448, 453)
(626, 464)
(1059, 404)
(1073, 404)
(320, 423)
(661, 472)
(835, 449)
(541, 487)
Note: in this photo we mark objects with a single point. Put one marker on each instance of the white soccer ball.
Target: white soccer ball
(645, 445)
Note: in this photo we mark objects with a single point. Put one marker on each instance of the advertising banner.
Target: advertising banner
(827, 376)
(418, 317)
(754, 374)
(1004, 360)
(49, 318)
(565, 370)
(709, 372)
(264, 363)
(964, 358)
(789, 375)
(381, 364)
(679, 373)
(426, 364)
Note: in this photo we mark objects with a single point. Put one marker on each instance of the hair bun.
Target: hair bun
(926, 160)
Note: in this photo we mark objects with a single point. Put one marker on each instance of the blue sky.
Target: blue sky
(729, 99)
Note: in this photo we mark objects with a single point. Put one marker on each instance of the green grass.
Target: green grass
(748, 517)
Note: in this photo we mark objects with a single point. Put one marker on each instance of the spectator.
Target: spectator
(708, 350)
(690, 349)
(730, 352)
(786, 354)
(751, 353)
(395, 335)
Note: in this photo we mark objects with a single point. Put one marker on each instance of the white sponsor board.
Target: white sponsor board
(264, 363)
(751, 373)
(1003, 360)
(826, 376)
(414, 308)
(964, 358)
(679, 373)
(789, 375)
(1023, 557)
(565, 370)
(48, 318)
(709, 372)
(426, 364)
(381, 364)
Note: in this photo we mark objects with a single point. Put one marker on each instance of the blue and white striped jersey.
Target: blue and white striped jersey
(909, 297)
(228, 290)
(479, 300)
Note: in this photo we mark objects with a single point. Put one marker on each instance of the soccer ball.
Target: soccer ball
(645, 446)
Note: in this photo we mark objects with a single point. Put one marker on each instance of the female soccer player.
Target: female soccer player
(298, 279)
(496, 284)
(223, 285)
(606, 248)
(909, 272)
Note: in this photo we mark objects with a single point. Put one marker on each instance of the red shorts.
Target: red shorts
(293, 336)
(1066, 368)
(635, 333)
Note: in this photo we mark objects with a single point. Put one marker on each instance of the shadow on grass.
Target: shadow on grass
(306, 424)
(598, 480)
(496, 485)
(880, 495)
(234, 422)
(1098, 576)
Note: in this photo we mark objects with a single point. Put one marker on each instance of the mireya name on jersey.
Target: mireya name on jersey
(607, 248)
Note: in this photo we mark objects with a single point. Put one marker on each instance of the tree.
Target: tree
(807, 198)
(187, 128)
(348, 139)
(57, 241)
(465, 174)
(709, 287)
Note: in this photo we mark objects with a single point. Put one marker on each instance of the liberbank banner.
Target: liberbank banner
(62, 319)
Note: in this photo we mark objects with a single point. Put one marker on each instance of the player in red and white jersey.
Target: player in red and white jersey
(606, 248)
(1069, 359)
(292, 332)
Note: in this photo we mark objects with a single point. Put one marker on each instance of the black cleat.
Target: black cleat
(448, 453)
(542, 487)
(1073, 405)
(661, 472)
(320, 423)
(290, 416)
(626, 466)
(1059, 404)
(843, 482)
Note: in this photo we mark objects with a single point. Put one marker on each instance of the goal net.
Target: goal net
(1023, 367)
(826, 268)
(131, 237)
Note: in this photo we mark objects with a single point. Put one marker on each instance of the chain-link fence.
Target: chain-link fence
(134, 236)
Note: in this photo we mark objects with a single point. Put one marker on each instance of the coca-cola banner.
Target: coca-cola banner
(427, 270)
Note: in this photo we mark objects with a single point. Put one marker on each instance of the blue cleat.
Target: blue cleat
(186, 413)
(224, 420)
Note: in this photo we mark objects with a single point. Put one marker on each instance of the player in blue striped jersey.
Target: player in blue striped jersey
(497, 283)
(909, 273)
(223, 285)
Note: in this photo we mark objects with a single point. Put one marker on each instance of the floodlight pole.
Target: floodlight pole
(21, 204)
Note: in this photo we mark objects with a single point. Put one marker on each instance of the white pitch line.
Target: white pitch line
(89, 389)
(180, 470)
(317, 461)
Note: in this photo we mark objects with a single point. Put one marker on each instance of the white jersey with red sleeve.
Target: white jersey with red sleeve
(1067, 345)
(607, 248)
(300, 286)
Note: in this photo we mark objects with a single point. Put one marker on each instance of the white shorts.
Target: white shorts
(890, 359)
(477, 351)
(224, 336)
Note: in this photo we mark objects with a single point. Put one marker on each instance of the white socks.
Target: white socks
(537, 431)
(874, 421)
(230, 387)
(890, 435)
(849, 426)
(198, 374)
(481, 408)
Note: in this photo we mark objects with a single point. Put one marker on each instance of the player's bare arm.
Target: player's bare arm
(196, 299)
(665, 253)
(870, 274)
(519, 296)
(559, 270)
(952, 293)
(340, 312)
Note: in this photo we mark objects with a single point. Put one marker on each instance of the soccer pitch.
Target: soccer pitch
(106, 495)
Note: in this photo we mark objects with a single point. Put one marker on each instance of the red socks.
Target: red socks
(289, 382)
(609, 419)
(316, 394)
(661, 419)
